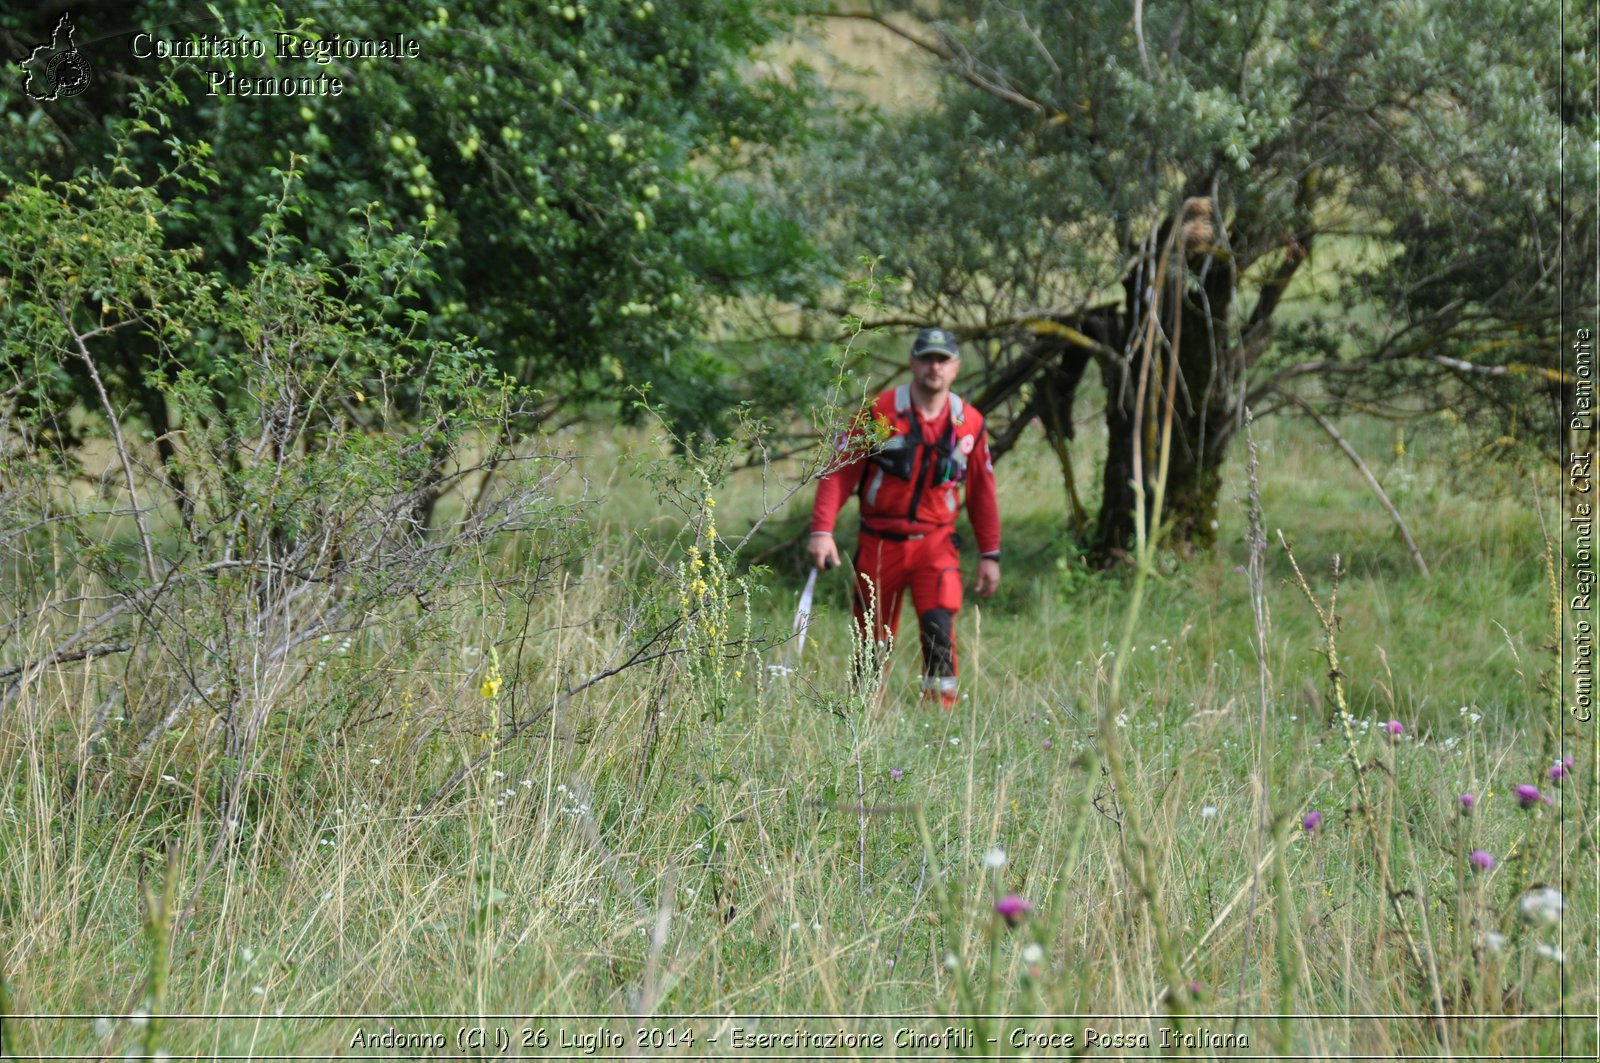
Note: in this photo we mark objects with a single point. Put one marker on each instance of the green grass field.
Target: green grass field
(708, 835)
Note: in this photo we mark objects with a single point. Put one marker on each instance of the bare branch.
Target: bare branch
(116, 435)
(67, 658)
(1366, 474)
(965, 67)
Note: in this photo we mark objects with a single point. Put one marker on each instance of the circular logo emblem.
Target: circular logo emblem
(69, 73)
(967, 443)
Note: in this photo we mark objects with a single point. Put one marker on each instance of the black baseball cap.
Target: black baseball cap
(934, 341)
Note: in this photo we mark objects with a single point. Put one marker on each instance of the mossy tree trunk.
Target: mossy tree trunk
(1192, 310)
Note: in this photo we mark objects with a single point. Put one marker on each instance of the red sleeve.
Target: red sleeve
(982, 505)
(834, 490)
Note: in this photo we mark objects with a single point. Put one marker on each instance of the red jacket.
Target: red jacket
(911, 484)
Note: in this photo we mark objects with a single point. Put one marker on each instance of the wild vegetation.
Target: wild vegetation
(687, 836)
(358, 664)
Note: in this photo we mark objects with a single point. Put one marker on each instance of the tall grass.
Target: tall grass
(725, 876)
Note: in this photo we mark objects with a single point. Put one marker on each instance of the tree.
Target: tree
(588, 173)
(299, 483)
(1095, 178)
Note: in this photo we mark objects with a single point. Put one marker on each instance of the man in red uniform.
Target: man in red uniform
(910, 489)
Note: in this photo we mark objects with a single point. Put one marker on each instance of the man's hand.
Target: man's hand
(988, 577)
(824, 552)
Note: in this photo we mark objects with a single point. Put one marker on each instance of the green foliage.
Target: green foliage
(312, 428)
(1427, 135)
(589, 174)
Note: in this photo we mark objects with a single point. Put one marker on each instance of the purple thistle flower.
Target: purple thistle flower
(1196, 988)
(1529, 795)
(1048, 743)
(1012, 908)
(1558, 772)
(896, 774)
(1395, 728)
(1467, 802)
(1481, 860)
(1312, 823)
(1566, 762)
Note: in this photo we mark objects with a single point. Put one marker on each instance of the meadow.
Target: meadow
(625, 816)
(316, 764)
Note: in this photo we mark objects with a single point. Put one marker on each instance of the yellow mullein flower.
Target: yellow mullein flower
(490, 688)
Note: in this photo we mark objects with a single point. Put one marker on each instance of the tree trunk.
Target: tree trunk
(1193, 309)
(1113, 534)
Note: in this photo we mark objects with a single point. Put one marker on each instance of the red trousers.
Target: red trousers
(931, 568)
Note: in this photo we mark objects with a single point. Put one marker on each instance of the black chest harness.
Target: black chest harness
(910, 458)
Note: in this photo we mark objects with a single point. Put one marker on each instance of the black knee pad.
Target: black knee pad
(937, 634)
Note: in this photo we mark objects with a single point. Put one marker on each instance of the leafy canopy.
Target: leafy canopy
(589, 172)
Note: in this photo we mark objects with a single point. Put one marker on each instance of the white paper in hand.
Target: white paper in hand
(802, 616)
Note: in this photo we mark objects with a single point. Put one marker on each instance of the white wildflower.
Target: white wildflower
(1550, 952)
(1494, 942)
(995, 858)
(1208, 812)
(950, 961)
(1032, 953)
(1543, 905)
